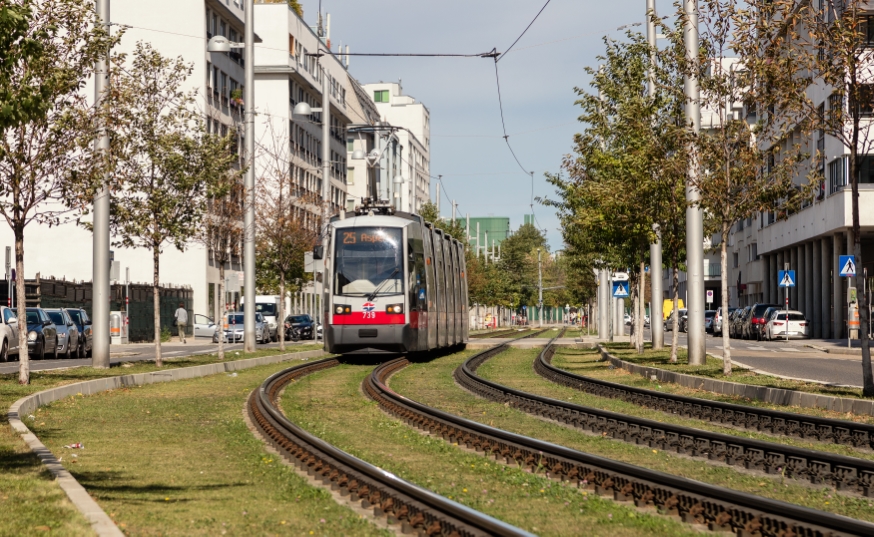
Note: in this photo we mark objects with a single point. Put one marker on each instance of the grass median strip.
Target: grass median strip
(713, 369)
(31, 501)
(178, 459)
(515, 370)
(586, 362)
(431, 383)
(330, 404)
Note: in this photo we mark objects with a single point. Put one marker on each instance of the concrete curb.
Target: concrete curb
(777, 396)
(97, 517)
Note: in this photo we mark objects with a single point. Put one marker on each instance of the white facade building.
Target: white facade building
(413, 163)
(286, 73)
(175, 29)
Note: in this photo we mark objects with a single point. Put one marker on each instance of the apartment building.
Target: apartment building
(287, 72)
(66, 250)
(409, 179)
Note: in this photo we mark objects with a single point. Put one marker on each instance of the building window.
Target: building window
(866, 28)
(836, 177)
(380, 96)
(350, 176)
(350, 144)
(754, 252)
(734, 260)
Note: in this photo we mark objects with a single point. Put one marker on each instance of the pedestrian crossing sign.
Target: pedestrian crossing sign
(786, 278)
(847, 266)
(620, 289)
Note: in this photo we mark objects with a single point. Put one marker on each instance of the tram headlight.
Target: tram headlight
(394, 308)
(342, 309)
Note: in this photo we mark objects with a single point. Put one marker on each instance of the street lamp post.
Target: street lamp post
(222, 44)
(655, 249)
(100, 255)
(694, 213)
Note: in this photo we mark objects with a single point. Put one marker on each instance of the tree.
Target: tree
(48, 168)
(169, 167)
(748, 168)
(281, 238)
(623, 174)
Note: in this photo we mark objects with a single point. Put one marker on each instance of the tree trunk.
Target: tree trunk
(220, 318)
(867, 375)
(723, 266)
(675, 316)
(23, 358)
(635, 303)
(156, 298)
(280, 321)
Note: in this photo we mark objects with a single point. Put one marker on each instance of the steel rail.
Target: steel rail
(719, 508)
(848, 473)
(495, 334)
(418, 509)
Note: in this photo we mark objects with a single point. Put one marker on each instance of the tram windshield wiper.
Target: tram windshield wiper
(376, 290)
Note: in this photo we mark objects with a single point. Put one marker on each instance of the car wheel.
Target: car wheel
(55, 353)
(69, 354)
(4, 351)
(80, 349)
(41, 355)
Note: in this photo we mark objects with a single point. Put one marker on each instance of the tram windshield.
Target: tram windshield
(369, 262)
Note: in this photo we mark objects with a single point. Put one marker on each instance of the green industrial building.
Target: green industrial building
(493, 228)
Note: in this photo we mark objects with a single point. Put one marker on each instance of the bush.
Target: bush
(166, 334)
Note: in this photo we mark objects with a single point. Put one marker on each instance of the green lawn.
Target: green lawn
(31, 501)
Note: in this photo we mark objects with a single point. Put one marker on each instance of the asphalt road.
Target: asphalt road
(140, 352)
(790, 359)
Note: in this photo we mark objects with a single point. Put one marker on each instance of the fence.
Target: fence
(52, 293)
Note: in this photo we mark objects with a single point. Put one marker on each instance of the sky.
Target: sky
(537, 80)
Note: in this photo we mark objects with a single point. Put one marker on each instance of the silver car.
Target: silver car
(8, 333)
(68, 334)
(232, 328)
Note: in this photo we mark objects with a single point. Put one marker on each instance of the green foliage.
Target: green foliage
(168, 165)
(166, 334)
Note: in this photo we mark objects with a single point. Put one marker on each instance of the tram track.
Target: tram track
(719, 508)
(849, 474)
(416, 509)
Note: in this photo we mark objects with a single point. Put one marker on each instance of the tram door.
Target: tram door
(440, 278)
(417, 295)
(428, 315)
(465, 307)
(450, 289)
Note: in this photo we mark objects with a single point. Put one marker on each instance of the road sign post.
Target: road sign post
(710, 296)
(786, 279)
(847, 269)
(620, 289)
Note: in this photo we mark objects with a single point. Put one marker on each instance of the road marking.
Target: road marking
(755, 348)
(789, 349)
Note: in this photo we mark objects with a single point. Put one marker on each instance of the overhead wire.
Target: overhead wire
(523, 31)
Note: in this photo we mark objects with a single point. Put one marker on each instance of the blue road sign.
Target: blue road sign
(786, 278)
(620, 289)
(847, 266)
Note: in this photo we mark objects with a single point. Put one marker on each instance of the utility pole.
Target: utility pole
(539, 289)
(477, 240)
(694, 213)
(326, 181)
(454, 209)
(100, 237)
(657, 329)
(439, 178)
(249, 220)
(486, 247)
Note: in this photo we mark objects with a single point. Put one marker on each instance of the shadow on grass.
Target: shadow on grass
(116, 486)
(12, 462)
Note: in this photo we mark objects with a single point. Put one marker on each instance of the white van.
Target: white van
(268, 307)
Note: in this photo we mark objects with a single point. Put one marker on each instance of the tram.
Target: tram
(395, 284)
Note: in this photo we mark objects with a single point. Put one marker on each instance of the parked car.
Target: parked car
(83, 325)
(708, 320)
(303, 323)
(719, 320)
(669, 320)
(232, 328)
(9, 333)
(203, 326)
(68, 333)
(42, 334)
(778, 326)
(755, 321)
(737, 322)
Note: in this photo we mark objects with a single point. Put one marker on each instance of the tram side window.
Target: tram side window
(368, 261)
(417, 270)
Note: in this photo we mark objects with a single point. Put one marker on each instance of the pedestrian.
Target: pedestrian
(181, 317)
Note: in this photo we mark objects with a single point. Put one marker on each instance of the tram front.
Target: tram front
(368, 298)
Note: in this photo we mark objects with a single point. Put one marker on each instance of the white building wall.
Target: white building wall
(66, 250)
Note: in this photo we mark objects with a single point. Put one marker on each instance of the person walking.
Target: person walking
(181, 317)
